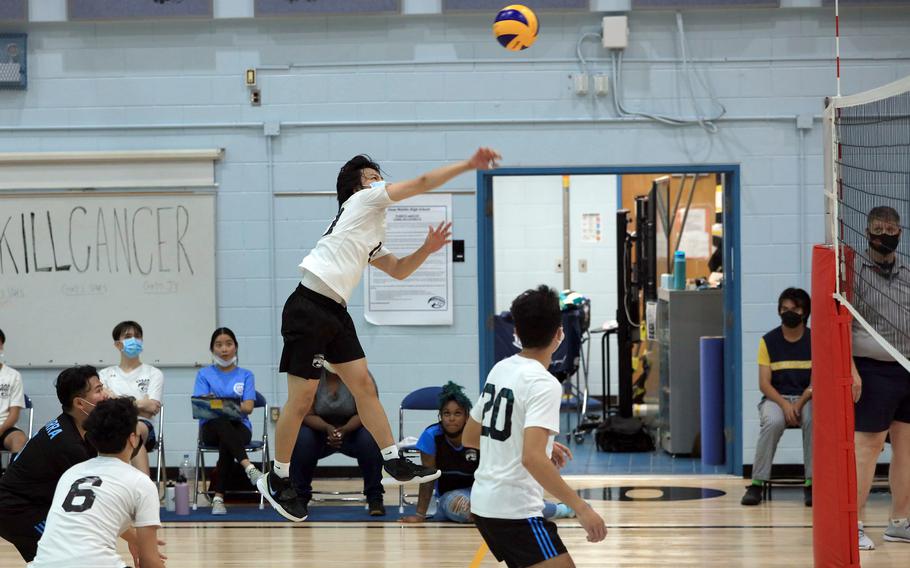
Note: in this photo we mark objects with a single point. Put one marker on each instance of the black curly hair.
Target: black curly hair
(349, 179)
(452, 392)
(110, 424)
(537, 316)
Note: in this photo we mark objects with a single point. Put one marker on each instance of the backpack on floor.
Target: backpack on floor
(619, 434)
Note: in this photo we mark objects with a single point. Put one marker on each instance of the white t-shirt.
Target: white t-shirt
(354, 238)
(142, 382)
(11, 393)
(95, 502)
(519, 393)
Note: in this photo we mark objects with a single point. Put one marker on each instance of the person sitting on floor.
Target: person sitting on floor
(333, 425)
(440, 447)
(784, 377)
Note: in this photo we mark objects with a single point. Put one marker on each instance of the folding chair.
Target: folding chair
(426, 398)
(260, 446)
(31, 421)
(161, 468)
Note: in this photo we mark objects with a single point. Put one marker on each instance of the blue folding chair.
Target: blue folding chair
(260, 446)
(426, 398)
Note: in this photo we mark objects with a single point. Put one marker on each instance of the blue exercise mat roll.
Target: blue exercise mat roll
(711, 356)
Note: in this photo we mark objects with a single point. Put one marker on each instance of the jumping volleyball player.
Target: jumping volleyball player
(318, 330)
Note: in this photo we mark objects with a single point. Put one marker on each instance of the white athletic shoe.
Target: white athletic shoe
(865, 543)
(253, 474)
(898, 531)
(218, 507)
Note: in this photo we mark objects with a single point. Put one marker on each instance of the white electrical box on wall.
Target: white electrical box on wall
(615, 32)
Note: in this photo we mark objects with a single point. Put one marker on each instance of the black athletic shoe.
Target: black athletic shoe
(807, 495)
(403, 471)
(752, 496)
(281, 494)
(377, 508)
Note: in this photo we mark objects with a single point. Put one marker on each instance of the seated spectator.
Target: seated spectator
(134, 378)
(224, 379)
(784, 377)
(440, 447)
(12, 401)
(331, 426)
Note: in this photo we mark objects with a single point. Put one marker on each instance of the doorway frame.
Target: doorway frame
(732, 277)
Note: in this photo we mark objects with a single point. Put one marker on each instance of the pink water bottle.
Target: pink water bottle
(182, 497)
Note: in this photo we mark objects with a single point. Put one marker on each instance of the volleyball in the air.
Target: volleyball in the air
(515, 27)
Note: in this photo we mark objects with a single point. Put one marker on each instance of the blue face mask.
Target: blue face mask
(132, 347)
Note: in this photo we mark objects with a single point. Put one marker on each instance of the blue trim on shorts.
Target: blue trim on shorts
(543, 538)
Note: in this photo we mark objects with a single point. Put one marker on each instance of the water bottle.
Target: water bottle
(170, 493)
(186, 469)
(182, 496)
(679, 270)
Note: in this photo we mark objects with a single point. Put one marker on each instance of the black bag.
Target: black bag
(619, 434)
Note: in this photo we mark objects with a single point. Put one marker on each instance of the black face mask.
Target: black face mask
(886, 243)
(791, 319)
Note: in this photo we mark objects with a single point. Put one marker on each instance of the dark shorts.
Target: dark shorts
(152, 441)
(315, 329)
(22, 528)
(520, 542)
(7, 433)
(885, 396)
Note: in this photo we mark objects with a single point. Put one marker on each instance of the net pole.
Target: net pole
(837, 41)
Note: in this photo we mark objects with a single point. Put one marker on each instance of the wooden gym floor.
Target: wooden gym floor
(709, 532)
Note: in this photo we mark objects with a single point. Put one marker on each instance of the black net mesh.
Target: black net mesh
(872, 180)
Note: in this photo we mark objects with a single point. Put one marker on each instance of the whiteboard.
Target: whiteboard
(74, 265)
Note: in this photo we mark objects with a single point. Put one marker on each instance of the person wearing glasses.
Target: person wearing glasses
(881, 385)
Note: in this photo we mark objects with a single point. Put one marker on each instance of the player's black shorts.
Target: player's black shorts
(885, 396)
(520, 542)
(6, 433)
(22, 528)
(315, 329)
(152, 440)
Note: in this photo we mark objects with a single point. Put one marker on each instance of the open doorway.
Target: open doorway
(559, 226)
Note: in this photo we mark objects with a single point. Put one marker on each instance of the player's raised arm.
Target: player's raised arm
(483, 158)
(401, 268)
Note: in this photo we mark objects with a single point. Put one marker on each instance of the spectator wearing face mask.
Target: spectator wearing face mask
(143, 382)
(784, 377)
(881, 385)
(224, 379)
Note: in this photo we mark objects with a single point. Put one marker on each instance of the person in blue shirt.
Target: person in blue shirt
(440, 447)
(224, 379)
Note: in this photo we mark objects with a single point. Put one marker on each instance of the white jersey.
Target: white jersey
(354, 239)
(519, 393)
(145, 381)
(11, 393)
(95, 502)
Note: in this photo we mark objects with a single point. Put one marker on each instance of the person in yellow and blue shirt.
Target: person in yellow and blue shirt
(785, 380)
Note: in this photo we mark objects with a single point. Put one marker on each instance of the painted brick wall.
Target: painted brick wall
(353, 71)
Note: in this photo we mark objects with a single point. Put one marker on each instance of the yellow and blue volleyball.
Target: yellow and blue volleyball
(515, 27)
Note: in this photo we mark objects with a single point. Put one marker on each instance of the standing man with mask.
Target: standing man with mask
(784, 377)
(27, 488)
(881, 385)
(139, 380)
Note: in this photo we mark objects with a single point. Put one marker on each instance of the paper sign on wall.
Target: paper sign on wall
(425, 297)
(591, 228)
(695, 239)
